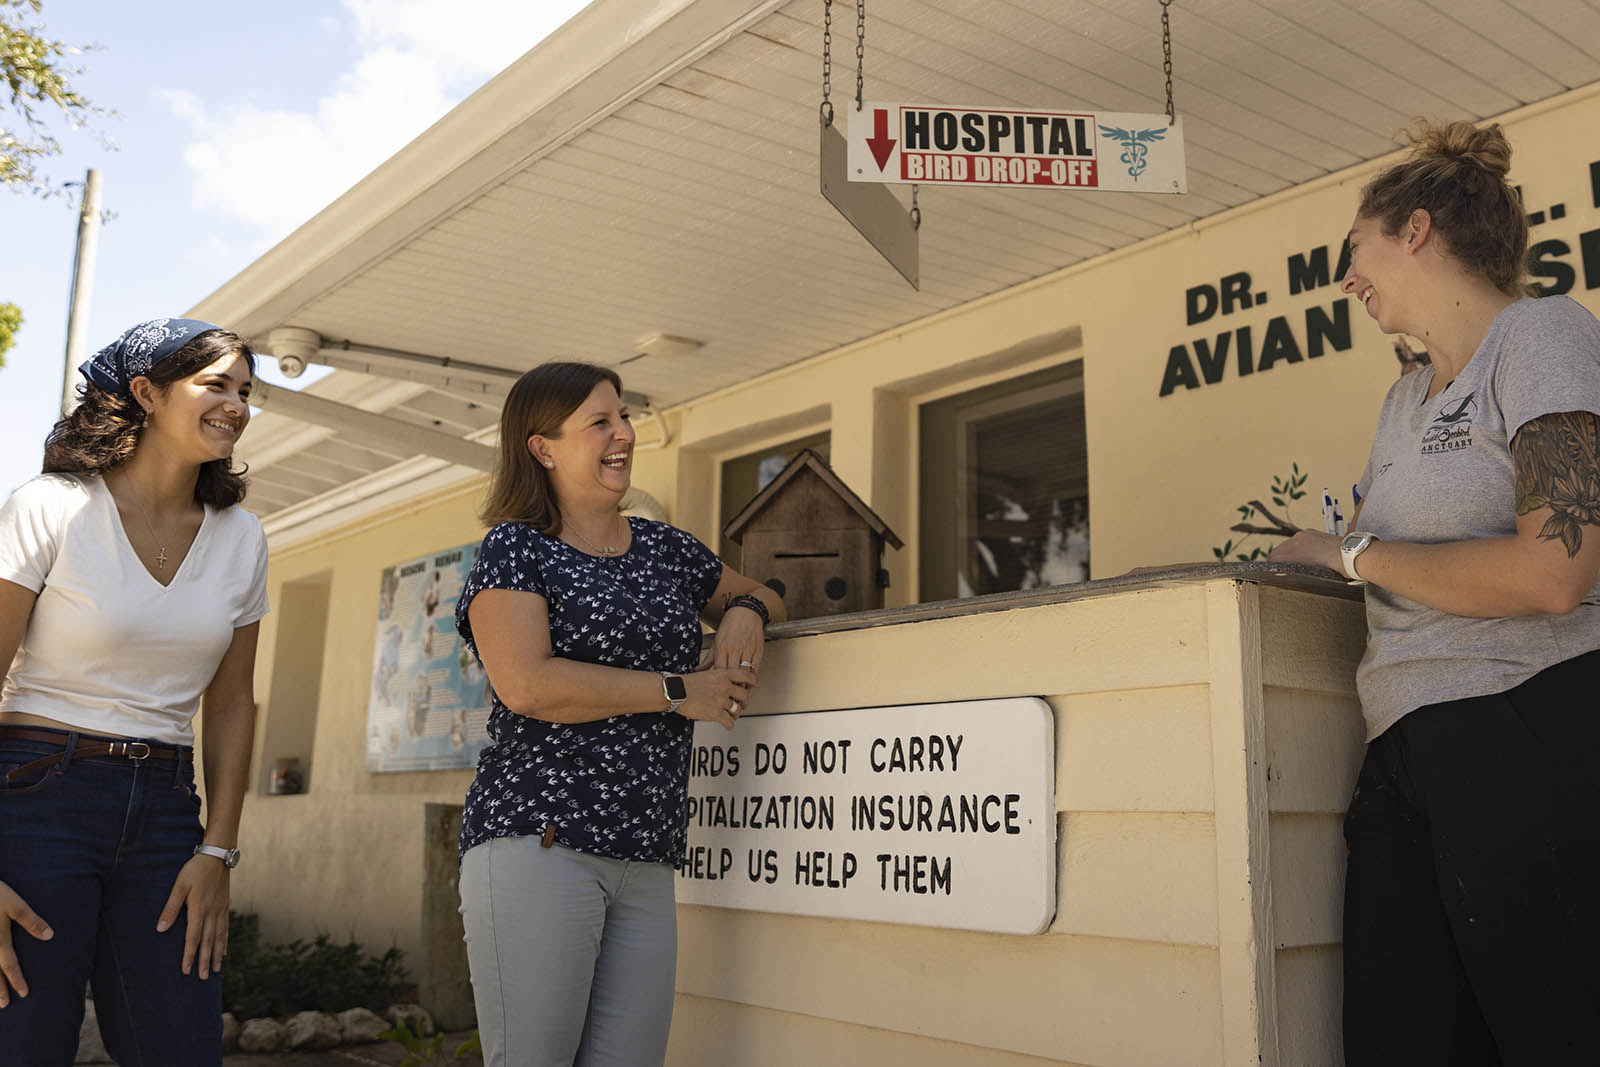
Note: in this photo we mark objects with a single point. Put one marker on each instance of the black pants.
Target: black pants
(1472, 906)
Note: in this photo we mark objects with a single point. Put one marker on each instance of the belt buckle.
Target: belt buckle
(136, 750)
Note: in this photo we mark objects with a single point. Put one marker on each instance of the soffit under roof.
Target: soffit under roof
(652, 167)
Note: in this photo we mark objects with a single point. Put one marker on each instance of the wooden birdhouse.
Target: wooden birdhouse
(813, 541)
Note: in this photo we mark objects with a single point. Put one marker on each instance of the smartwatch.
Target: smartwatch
(675, 691)
(1352, 546)
(228, 856)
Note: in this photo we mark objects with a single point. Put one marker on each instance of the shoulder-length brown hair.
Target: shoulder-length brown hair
(105, 428)
(1457, 174)
(538, 403)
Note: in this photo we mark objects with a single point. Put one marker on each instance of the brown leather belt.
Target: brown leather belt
(89, 746)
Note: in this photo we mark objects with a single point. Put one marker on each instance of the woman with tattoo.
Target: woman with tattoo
(588, 624)
(1472, 902)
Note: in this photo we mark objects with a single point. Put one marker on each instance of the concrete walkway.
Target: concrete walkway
(383, 1054)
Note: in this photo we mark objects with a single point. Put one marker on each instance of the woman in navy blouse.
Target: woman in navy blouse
(588, 625)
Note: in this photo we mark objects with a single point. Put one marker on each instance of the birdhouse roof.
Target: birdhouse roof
(803, 461)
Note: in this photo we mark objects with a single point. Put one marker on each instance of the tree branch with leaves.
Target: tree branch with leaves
(37, 74)
(1285, 491)
(10, 323)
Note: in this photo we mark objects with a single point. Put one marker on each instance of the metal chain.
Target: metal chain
(1166, 59)
(916, 211)
(825, 110)
(861, 46)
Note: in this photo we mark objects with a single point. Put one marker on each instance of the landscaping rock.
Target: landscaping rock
(358, 1026)
(90, 1047)
(313, 1029)
(261, 1035)
(230, 1032)
(413, 1014)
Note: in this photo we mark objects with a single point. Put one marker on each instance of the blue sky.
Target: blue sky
(236, 122)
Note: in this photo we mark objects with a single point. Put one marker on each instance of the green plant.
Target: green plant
(10, 323)
(1285, 491)
(36, 81)
(271, 980)
(429, 1051)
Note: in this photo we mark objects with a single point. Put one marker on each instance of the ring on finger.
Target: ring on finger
(733, 707)
(747, 664)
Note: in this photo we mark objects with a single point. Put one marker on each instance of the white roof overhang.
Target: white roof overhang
(651, 168)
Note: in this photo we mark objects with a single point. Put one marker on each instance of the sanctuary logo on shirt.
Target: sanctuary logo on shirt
(1451, 428)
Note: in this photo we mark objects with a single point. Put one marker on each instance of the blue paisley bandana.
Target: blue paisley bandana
(140, 348)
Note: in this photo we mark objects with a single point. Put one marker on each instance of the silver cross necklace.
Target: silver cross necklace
(161, 556)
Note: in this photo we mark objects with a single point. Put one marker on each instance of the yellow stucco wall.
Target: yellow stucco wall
(344, 858)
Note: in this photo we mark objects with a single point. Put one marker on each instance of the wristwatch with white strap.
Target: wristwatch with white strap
(1352, 546)
(228, 856)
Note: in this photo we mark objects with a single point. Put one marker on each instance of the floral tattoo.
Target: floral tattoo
(1557, 460)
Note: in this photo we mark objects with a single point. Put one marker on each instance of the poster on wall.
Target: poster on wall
(428, 706)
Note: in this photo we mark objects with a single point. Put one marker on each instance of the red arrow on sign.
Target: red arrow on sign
(880, 142)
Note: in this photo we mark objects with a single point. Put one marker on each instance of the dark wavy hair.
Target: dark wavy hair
(105, 428)
(538, 403)
(1457, 174)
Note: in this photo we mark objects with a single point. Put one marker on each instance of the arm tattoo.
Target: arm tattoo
(1557, 460)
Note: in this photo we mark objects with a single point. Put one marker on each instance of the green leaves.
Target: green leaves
(280, 980)
(10, 323)
(35, 71)
(422, 1051)
(1286, 489)
(1289, 488)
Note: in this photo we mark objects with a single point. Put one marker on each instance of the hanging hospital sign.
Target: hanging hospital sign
(926, 814)
(924, 144)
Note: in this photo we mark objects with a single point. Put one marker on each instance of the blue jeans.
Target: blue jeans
(573, 956)
(94, 845)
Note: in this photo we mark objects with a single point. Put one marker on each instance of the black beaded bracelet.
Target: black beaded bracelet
(755, 604)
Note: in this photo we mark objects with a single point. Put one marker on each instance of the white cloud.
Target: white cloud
(272, 169)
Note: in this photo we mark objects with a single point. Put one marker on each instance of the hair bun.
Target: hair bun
(1483, 147)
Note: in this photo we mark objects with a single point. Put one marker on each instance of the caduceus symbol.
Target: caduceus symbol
(1135, 146)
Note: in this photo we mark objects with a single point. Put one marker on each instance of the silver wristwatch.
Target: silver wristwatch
(1352, 546)
(675, 690)
(228, 856)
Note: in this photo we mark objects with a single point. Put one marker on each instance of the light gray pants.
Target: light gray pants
(573, 956)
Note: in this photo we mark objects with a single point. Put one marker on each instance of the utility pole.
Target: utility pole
(82, 287)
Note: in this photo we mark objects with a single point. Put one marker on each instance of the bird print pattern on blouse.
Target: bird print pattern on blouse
(615, 787)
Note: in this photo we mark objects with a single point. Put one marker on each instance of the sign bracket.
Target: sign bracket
(872, 209)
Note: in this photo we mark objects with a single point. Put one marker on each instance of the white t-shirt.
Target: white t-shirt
(109, 649)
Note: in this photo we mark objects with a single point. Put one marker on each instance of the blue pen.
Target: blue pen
(1327, 513)
(1355, 495)
(1338, 520)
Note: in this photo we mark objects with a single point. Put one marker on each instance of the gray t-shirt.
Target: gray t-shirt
(1441, 471)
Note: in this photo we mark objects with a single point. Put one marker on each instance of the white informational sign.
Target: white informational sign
(927, 144)
(928, 814)
(428, 707)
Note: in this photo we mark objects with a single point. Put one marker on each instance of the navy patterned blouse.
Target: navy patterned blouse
(614, 787)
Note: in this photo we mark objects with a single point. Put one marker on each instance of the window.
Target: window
(744, 477)
(1005, 487)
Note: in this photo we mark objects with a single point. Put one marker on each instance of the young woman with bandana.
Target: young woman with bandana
(588, 624)
(130, 593)
(1472, 931)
